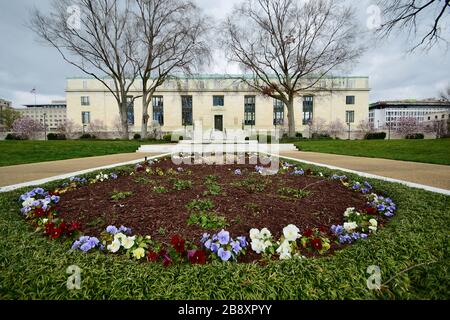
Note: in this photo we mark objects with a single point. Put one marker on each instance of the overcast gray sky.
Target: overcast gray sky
(25, 63)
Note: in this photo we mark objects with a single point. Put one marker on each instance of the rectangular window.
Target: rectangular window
(186, 110)
(308, 107)
(350, 116)
(249, 110)
(218, 101)
(350, 100)
(85, 117)
(85, 101)
(130, 110)
(158, 109)
(278, 112)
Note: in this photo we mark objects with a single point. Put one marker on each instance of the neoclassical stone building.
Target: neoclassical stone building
(221, 103)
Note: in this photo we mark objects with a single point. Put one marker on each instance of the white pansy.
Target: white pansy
(285, 256)
(291, 232)
(265, 233)
(44, 221)
(267, 244)
(28, 202)
(348, 212)
(254, 234)
(350, 226)
(373, 222)
(258, 246)
(128, 242)
(120, 236)
(373, 229)
(284, 250)
(114, 246)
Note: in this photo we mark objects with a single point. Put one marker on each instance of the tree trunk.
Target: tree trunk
(291, 117)
(124, 119)
(145, 116)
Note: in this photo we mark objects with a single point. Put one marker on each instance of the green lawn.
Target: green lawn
(428, 151)
(20, 152)
(412, 252)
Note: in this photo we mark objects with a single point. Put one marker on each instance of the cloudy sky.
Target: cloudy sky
(26, 64)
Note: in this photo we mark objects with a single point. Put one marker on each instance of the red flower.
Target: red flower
(74, 226)
(178, 244)
(63, 226)
(197, 256)
(308, 233)
(323, 229)
(370, 210)
(152, 256)
(167, 261)
(316, 244)
(56, 233)
(39, 212)
(49, 226)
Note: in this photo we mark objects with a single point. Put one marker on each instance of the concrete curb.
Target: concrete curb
(371, 176)
(68, 175)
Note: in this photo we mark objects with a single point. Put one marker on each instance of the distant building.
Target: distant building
(3, 105)
(389, 113)
(51, 114)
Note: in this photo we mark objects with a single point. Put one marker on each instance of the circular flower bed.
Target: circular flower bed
(160, 212)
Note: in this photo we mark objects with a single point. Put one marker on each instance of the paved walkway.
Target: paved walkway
(36, 171)
(433, 175)
(437, 176)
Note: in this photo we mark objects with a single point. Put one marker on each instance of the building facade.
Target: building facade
(221, 103)
(388, 113)
(3, 105)
(50, 115)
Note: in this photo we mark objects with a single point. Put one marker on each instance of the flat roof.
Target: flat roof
(410, 103)
(221, 76)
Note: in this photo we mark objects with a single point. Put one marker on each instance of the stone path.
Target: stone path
(36, 171)
(433, 175)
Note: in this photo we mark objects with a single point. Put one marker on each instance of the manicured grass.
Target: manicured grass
(20, 152)
(412, 252)
(428, 151)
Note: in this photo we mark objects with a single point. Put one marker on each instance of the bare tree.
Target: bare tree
(290, 45)
(445, 94)
(407, 126)
(336, 128)
(365, 127)
(317, 126)
(438, 127)
(408, 15)
(171, 40)
(69, 128)
(96, 127)
(95, 36)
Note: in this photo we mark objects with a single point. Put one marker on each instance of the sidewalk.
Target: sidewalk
(36, 171)
(433, 175)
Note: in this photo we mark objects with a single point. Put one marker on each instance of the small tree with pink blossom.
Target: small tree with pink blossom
(408, 126)
(27, 128)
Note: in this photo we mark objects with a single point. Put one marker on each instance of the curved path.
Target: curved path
(433, 175)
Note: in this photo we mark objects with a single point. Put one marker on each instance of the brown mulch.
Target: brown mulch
(150, 213)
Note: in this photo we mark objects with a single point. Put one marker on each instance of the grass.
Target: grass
(21, 152)
(427, 151)
(412, 251)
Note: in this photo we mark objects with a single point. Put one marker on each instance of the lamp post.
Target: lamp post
(45, 126)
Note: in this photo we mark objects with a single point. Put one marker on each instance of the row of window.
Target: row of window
(219, 101)
(249, 111)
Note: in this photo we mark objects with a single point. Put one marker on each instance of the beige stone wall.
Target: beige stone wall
(329, 105)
